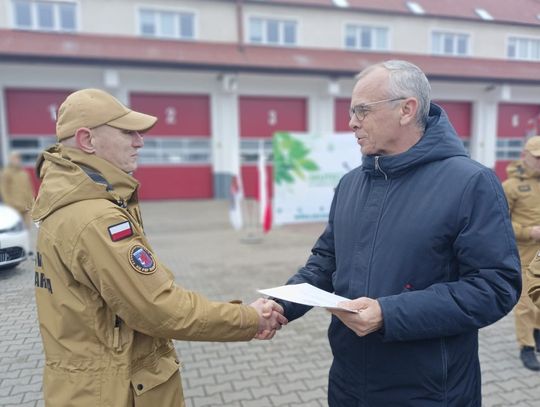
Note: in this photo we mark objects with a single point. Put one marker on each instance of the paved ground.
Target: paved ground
(196, 241)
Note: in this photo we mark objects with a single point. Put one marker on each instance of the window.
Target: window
(483, 14)
(45, 15)
(366, 38)
(175, 150)
(167, 24)
(509, 148)
(524, 48)
(31, 147)
(157, 150)
(23, 14)
(250, 148)
(67, 16)
(415, 7)
(341, 3)
(446, 43)
(272, 31)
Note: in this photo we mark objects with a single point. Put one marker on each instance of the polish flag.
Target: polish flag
(120, 231)
(236, 195)
(264, 200)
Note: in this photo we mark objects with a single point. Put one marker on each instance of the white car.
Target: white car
(14, 240)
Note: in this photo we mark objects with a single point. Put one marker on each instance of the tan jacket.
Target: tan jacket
(16, 189)
(534, 280)
(107, 306)
(522, 190)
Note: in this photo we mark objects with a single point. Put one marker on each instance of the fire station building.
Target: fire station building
(223, 75)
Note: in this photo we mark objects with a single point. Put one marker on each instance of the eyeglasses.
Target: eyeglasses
(361, 111)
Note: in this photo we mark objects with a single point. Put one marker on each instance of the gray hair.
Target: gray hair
(406, 80)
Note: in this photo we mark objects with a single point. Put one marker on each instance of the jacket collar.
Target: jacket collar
(70, 175)
(123, 184)
(438, 142)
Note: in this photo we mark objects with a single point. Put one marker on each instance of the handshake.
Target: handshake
(270, 318)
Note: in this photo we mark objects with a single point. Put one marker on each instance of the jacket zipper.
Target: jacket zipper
(117, 345)
(444, 356)
(378, 167)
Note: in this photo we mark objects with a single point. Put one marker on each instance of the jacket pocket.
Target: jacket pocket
(149, 377)
(71, 385)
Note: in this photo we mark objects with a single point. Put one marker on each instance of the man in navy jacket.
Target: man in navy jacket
(420, 237)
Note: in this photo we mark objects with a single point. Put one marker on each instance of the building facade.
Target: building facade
(224, 75)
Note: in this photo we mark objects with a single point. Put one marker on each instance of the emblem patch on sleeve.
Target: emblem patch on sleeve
(120, 231)
(142, 260)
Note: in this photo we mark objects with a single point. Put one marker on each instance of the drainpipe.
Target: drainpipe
(240, 23)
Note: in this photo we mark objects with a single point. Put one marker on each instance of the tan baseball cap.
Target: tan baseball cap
(533, 146)
(94, 107)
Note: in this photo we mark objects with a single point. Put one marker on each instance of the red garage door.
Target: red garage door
(260, 118)
(459, 114)
(515, 123)
(31, 122)
(341, 115)
(175, 162)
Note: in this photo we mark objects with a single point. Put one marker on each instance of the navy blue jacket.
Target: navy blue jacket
(427, 233)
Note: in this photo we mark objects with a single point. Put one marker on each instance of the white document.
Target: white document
(306, 294)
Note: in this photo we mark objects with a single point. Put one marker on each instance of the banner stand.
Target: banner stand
(253, 234)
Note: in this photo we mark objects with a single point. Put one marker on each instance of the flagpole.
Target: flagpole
(236, 196)
(265, 207)
(252, 236)
(259, 217)
(255, 211)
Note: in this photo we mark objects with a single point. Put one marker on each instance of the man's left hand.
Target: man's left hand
(368, 319)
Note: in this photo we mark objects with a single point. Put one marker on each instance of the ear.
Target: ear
(408, 111)
(84, 140)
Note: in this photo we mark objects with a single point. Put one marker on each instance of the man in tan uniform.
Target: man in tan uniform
(522, 189)
(107, 307)
(16, 188)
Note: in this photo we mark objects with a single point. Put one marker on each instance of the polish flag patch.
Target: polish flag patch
(120, 231)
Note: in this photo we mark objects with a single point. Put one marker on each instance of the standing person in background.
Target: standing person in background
(107, 306)
(522, 189)
(16, 187)
(420, 237)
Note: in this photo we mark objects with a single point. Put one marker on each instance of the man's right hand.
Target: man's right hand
(535, 233)
(270, 318)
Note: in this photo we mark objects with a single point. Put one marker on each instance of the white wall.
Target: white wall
(216, 21)
(5, 14)
(324, 28)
